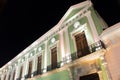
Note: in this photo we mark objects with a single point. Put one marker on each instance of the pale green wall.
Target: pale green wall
(71, 29)
(97, 21)
(43, 53)
(58, 54)
(73, 13)
(104, 72)
(63, 75)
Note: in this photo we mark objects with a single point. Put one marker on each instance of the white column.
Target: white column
(34, 65)
(17, 72)
(7, 75)
(92, 26)
(12, 72)
(23, 71)
(68, 56)
(26, 65)
(2, 77)
(62, 47)
(35, 61)
(45, 57)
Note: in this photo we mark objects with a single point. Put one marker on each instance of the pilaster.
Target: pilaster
(92, 26)
(45, 57)
(62, 46)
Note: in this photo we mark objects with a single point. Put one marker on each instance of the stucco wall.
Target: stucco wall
(111, 38)
(113, 61)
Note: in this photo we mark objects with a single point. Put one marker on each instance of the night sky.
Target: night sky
(24, 21)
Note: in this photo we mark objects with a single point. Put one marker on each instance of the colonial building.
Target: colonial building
(79, 47)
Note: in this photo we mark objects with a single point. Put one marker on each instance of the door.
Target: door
(13, 75)
(39, 65)
(54, 57)
(81, 44)
(4, 77)
(30, 69)
(21, 70)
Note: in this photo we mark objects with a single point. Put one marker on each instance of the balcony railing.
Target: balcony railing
(87, 50)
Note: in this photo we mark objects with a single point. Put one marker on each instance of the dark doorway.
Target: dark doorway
(30, 69)
(14, 75)
(94, 76)
(54, 57)
(21, 71)
(39, 65)
(4, 77)
(9, 76)
(81, 44)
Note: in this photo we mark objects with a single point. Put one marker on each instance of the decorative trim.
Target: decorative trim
(77, 31)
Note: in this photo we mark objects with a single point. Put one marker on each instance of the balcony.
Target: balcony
(85, 51)
(90, 49)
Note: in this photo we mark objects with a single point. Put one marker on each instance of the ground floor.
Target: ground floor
(90, 67)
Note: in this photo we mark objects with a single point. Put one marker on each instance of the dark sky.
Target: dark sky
(24, 21)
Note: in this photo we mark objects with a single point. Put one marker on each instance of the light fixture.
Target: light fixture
(53, 40)
(39, 49)
(31, 54)
(76, 24)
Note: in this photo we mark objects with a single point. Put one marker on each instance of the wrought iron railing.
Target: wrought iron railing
(82, 52)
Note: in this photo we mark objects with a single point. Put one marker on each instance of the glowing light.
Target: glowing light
(39, 49)
(31, 54)
(77, 24)
(44, 71)
(53, 40)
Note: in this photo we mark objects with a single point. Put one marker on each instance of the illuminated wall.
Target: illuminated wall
(57, 55)
(111, 38)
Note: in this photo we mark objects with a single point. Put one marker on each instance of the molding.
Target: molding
(77, 31)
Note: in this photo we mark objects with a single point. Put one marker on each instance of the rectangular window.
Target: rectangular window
(54, 57)
(30, 69)
(39, 65)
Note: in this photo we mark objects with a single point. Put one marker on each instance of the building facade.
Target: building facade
(77, 48)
